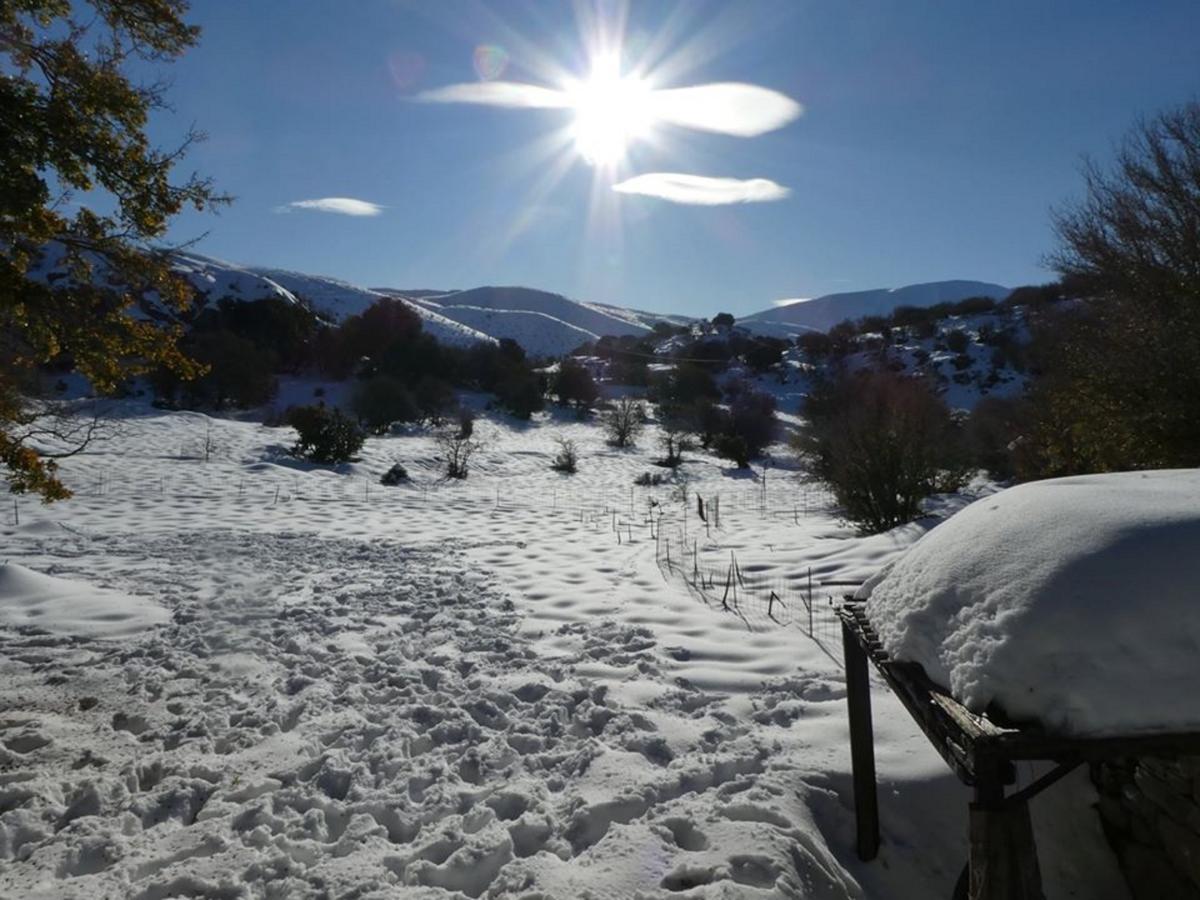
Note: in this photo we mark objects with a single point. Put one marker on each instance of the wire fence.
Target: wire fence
(762, 598)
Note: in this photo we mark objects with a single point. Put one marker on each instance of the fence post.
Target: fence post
(862, 745)
(810, 613)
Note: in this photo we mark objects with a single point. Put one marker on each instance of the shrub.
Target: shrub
(882, 443)
(650, 479)
(382, 400)
(573, 385)
(434, 398)
(566, 460)
(733, 447)
(957, 340)
(397, 474)
(325, 435)
(239, 374)
(624, 421)
(752, 418)
(457, 451)
(466, 422)
(521, 394)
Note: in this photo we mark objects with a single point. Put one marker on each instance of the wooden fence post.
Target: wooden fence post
(862, 745)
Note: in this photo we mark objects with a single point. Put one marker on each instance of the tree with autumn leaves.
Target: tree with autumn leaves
(73, 121)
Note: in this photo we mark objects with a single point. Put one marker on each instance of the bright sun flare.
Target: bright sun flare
(610, 112)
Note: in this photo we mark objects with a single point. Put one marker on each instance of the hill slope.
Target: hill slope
(822, 313)
(537, 333)
(580, 315)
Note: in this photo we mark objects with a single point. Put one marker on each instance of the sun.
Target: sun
(611, 111)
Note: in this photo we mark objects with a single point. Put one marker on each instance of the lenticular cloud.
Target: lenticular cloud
(701, 190)
(497, 93)
(742, 110)
(343, 206)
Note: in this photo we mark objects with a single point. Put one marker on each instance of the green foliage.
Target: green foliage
(733, 447)
(381, 401)
(237, 373)
(723, 320)
(573, 385)
(72, 121)
(882, 443)
(324, 435)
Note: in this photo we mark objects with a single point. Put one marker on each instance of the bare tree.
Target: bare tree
(566, 460)
(624, 421)
(457, 451)
(1136, 233)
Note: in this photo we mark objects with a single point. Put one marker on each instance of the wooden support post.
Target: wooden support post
(862, 745)
(1003, 857)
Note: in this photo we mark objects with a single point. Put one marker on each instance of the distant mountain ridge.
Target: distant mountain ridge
(822, 313)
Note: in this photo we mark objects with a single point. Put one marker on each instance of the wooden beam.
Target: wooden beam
(862, 744)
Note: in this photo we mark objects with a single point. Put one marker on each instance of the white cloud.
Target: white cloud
(497, 93)
(743, 110)
(701, 190)
(343, 206)
(790, 301)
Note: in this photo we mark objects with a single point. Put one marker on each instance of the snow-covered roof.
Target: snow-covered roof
(1070, 602)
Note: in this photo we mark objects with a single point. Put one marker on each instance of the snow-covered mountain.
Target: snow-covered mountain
(588, 317)
(539, 334)
(822, 313)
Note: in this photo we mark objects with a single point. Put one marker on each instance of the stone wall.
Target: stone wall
(1150, 809)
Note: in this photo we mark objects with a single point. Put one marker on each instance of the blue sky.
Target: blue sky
(935, 137)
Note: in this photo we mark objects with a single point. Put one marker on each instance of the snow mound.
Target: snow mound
(30, 599)
(1070, 602)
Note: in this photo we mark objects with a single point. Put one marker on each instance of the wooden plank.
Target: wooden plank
(862, 745)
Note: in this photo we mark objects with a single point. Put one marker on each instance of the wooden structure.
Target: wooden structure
(1002, 862)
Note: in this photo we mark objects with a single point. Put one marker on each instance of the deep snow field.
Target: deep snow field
(278, 680)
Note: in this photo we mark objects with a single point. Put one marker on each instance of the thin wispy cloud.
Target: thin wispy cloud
(342, 206)
(701, 190)
(509, 94)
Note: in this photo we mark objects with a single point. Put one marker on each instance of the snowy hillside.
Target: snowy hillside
(822, 313)
(966, 357)
(580, 315)
(538, 333)
(335, 300)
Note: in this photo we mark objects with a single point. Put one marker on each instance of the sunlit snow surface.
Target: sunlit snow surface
(448, 690)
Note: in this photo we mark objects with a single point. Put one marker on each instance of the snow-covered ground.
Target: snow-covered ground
(489, 688)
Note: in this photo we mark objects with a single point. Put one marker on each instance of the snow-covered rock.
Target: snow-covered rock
(1070, 602)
